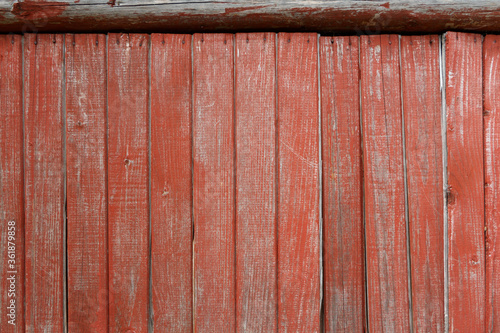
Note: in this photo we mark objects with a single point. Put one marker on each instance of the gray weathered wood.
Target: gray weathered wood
(341, 16)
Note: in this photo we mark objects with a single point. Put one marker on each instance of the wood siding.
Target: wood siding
(250, 182)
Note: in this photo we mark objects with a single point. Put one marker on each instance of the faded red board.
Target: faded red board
(386, 256)
(466, 257)
(256, 246)
(298, 196)
(11, 186)
(214, 186)
(86, 182)
(171, 206)
(343, 232)
(44, 182)
(491, 69)
(128, 182)
(424, 166)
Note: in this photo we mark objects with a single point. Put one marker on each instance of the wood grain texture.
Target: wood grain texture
(11, 186)
(44, 182)
(386, 256)
(214, 186)
(341, 16)
(256, 242)
(86, 165)
(171, 205)
(128, 182)
(298, 196)
(466, 256)
(491, 88)
(343, 230)
(424, 168)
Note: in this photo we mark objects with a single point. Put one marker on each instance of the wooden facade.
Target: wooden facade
(180, 167)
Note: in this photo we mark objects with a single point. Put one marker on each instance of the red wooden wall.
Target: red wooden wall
(250, 182)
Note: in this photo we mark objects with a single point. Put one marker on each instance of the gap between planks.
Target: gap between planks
(442, 69)
(405, 177)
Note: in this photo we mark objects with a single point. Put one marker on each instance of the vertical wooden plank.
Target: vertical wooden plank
(11, 186)
(171, 207)
(491, 65)
(386, 256)
(214, 192)
(298, 198)
(466, 262)
(128, 182)
(44, 181)
(343, 231)
(86, 182)
(256, 182)
(424, 169)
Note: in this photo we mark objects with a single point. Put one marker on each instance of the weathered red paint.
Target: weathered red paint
(420, 77)
(11, 185)
(128, 197)
(298, 182)
(343, 230)
(386, 243)
(213, 183)
(255, 128)
(239, 146)
(31, 10)
(171, 200)
(240, 10)
(44, 182)
(86, 169)
(464, 136)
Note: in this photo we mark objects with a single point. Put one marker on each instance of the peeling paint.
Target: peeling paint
(31, 10)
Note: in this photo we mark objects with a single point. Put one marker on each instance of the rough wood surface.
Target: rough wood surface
(214, 186)
(171, 206)
(44, 182)
(466, 256)
(298, 180)
(128, 182)
(386, 256)
(248, 121)
(86, 166)
(343, 231)
(424, 164)
(346, 16)
(255, 112)
(11, 186)
(491, 66)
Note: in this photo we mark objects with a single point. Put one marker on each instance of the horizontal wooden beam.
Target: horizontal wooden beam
(327, 16)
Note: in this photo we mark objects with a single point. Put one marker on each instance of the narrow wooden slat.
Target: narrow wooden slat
(171, 217)
(214, 193)
(424, 164)
(466, 261)
(491, 65)
(86, 182)
(343, 231)
(386, 256)
(44, 181)
(128, 216)
(298, 196)
(11, 186)
(256, 244)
